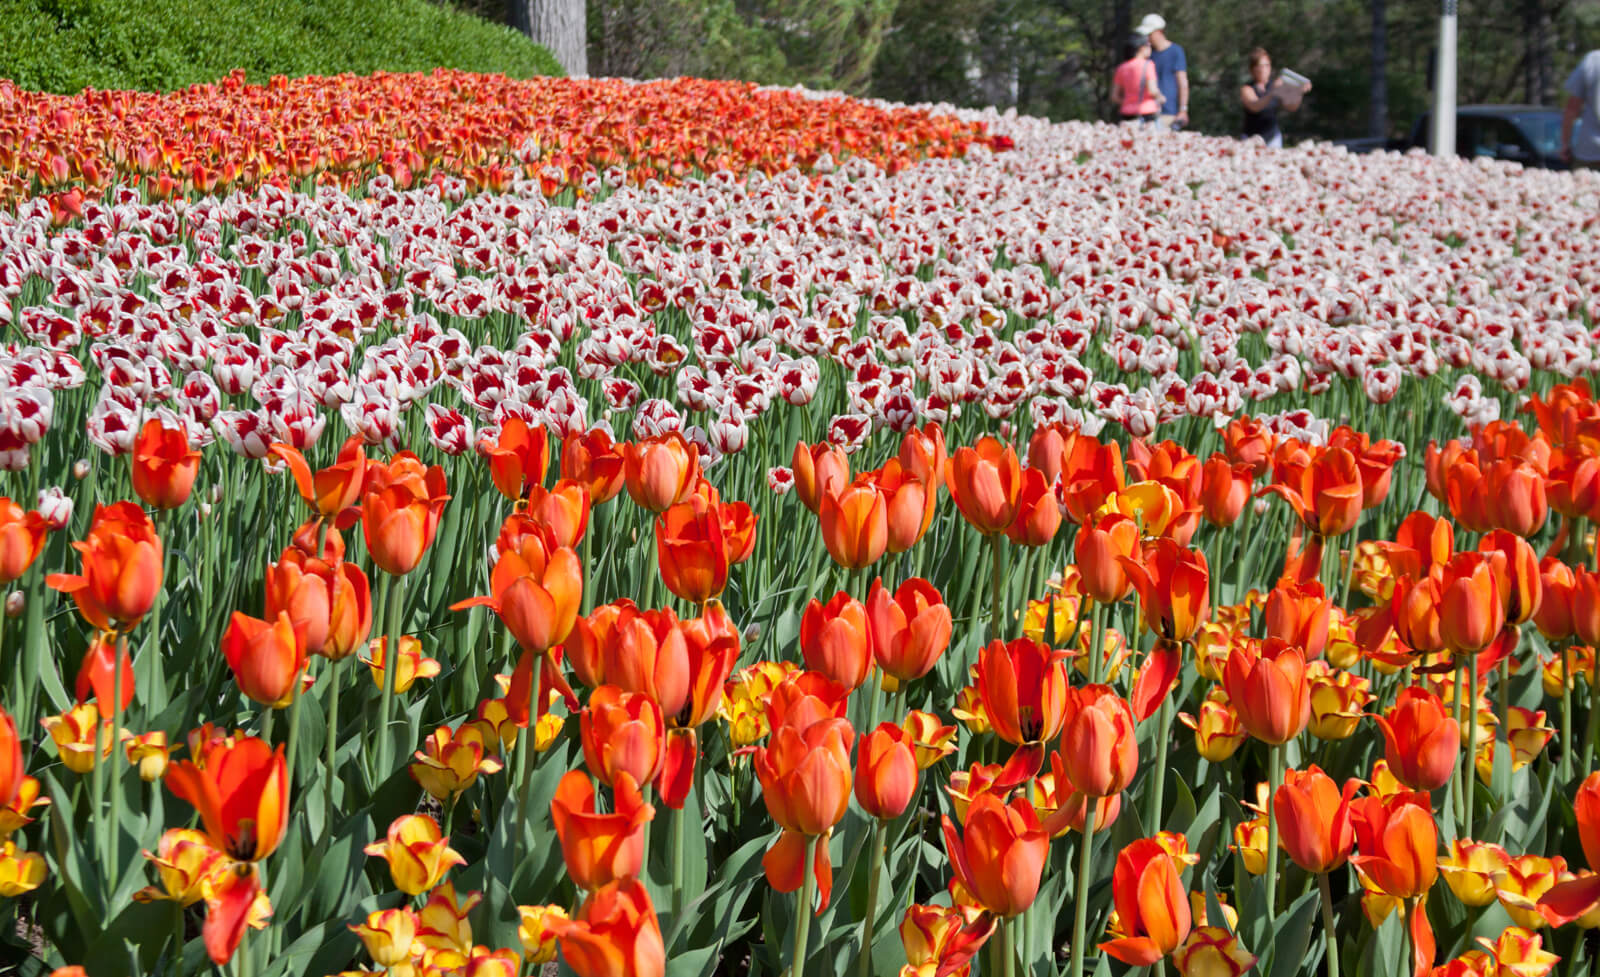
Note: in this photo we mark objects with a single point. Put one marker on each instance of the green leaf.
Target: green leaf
(1291, 937)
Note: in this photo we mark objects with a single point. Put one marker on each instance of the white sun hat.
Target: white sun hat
(1151, 24)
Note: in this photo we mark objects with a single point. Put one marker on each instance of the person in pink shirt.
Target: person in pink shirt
(1133, 85)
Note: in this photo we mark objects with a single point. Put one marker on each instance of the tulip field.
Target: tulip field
(452, 525)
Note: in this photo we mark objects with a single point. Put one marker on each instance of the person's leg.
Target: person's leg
(1276, 141)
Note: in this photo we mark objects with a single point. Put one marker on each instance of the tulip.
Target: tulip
(412, 663)
(834, 640)
(333, 604)
(886, 772)
(517, 457)
(1248, 441)
(1024, 689)
(563, 510)
(805, 775)
(931, 740)
(419, 856)
(267, 658)
(1038, 515)
(1151, 903)
(1375, 460)
(1099, 750)
(1326, 494)
(20, 871)
(1586, 606)
(1212, 951)
(1299, 613)
(184, 859)
(1268, 688)
(241, 791)
(622, 732)
(855, 524)
(448, 764)
(400, 509)
(150, 753)
(1514, 493)
(1225, 489)
(738, 531)
(909, 630)
(122, 560)
(908, 505)
(1000, 854)
(332, 490)
(11, 770)
(1586, 806)
(1091, 472)
(1416, 608)
(660, 471)
(1173, 584)
(691, 551)
(799, 698)
(537, 934)
(615, 934)
(1421, 741)
(1218, 734)
(1577, 898)
(922, 452)
(1337, 701)
(536, 589)
(1558, 587)
(1099, 550)
(600, 848)
(1470, 870)
(74, 733)
(1397, 842)
(1314, 819)
(164, 466)
(98, 678)
(594, 461)
(387, 935)
(942, 939)
(820, 470)
(1250, 840)
(986, 483)
(1522, 882)
(22, 536)
(1471, 608)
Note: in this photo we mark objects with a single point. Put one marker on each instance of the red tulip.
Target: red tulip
(1314, 819)
(1422, 741)
(164, 465)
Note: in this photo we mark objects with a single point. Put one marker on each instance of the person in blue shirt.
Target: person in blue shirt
(1172, 72)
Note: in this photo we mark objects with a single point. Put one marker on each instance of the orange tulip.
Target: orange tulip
(563, 510)
(1314, 819)
(801, 698)
(1415, 612)
(537, 589)
(660, 471)
(644, 653)
(1099, 750)
(908, 631)
(600, 848)
(331, 490)
(1573, 485)
(922, 452)
(97, 676)
(333, 604)
(591, 637)
(1375, 460)
(1398, 843)
(164, 465)
(1514, 493)
(1174, 588)
(1466, 494)
(622, 733)
(834, 640)
(886, 772)
(1575, 898)
(986, 483)
(1047, 450)
(691, 550)
(738, 530)
(1471, 610)
(419, 855)
(1023, 685)
(820, 470)
(22, 537)
(266, 657)
(1586, 806)
(1326, 494)
(11, 772)
(1516, 572)
(517, 456)
(908, 502)
(1225, 489)
(1091, 472)
(1099, 550)
(1586, 606)
(1422, 742)
(240, 787)
(943, 939)
(615, 934)
(1152, 904)
(805, 775)
(594, 461)
(1299, 613)
(1038, 515)
(400, 509)
(1421, 543)
(1558, 587)
(855, 524)
(1268, 688)
(122, 560)
(1000, 854)
(1248, 441)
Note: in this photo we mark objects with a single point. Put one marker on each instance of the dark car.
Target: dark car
(1526, 134)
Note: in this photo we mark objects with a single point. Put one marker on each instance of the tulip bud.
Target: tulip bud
(80, 469)
(16, 603)
(538, 939)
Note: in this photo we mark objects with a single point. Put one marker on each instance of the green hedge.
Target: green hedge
(159, 45)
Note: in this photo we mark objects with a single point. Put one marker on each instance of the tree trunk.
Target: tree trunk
(559, 25)
(1378, 83)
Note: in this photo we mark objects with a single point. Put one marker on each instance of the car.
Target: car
(1526, 134)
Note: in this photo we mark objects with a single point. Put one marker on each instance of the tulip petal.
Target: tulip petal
(1156, 678)
(228, 912)
(1136, 951)
(1570, 899)
(677, 769)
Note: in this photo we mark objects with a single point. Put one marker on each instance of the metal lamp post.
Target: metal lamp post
(1444, 84)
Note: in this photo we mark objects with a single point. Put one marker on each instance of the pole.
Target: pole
(1444, 84)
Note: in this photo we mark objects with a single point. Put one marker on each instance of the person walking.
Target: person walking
(1133, 84)
(1583, 103)
(1172, 72)
(1263, 97)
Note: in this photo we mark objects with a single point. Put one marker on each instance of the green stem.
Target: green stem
(1097, 642)
(1270, 877)
(864, 961)
(393, 588)
(802, 915)
(1159, 772)
(1080, 907)
(680, 818)
(1458, 784)
(996, 609)
(331, 756)
(1504, 698)
(1327, 924)
(1594, 727)
(177, 938)
(1469, 754)
(1008, 953)
(1566, 710)
(114, 862)
(294, 726)
(530, 757)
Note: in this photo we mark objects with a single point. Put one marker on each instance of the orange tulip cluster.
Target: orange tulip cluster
(488, 129)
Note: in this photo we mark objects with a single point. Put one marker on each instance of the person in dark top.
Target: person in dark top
(1264, 97)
